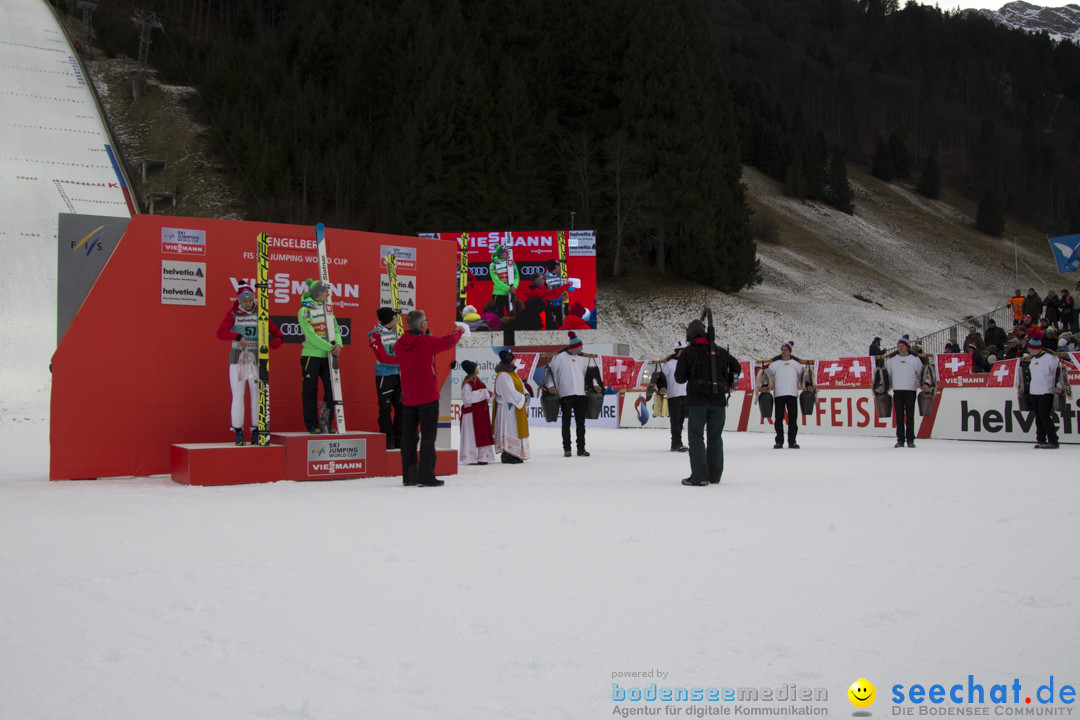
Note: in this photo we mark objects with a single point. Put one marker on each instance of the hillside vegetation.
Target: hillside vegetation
(901, 263)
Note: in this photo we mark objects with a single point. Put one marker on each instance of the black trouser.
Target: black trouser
(904, 409)
(420, 423)
(1045, 430)
(789, 403)
(314, 369)
(676, 414)
(388, 390)
(502, 304)
(575, 404)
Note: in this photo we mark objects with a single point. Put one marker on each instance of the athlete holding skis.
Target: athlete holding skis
(239, 327)
(504, 279)
(314, 356)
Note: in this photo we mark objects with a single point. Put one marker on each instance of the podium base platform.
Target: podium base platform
(340, 456)
(226, 464)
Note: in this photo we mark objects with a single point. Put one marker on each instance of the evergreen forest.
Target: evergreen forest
(631, 117)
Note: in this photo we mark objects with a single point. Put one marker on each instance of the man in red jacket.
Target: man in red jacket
(415, 354)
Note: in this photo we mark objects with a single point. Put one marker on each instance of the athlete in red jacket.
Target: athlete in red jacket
(415, 354)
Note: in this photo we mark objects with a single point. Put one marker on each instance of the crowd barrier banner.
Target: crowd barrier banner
(966, 407)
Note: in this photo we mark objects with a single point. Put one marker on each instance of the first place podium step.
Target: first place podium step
(337, 456)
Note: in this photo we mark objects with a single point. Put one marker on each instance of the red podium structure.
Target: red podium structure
(168, 283)
(227, 464)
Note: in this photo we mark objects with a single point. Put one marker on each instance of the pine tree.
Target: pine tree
(930, 178)
(990, 217)
(795, 178)
(901, 158)
(882, 167)
(839, 193)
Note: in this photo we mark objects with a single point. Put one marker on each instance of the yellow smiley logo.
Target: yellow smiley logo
(862, 693)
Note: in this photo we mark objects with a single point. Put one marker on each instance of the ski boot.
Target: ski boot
(239, 436)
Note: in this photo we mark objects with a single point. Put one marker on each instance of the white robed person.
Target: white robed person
(510, 420)
(477, 443)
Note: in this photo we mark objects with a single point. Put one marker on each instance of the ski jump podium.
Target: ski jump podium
(296, 456)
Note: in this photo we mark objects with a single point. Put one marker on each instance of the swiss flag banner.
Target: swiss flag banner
(525, 363)
(849, 372)
(950, 365)
(1003, 374)
(619, 371)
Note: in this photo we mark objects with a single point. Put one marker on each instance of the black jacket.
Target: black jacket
(996, 336)
(695, 369)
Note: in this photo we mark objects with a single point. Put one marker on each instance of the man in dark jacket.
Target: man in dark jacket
(415, 353)
(1033, 305)
(996, 336)
(709, 373)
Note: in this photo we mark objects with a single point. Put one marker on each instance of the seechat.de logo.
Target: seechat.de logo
(862, 693)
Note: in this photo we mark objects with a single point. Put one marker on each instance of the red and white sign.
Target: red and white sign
(524, 364)
(849, 372)
(950, 365)
(1003, 374)
(746, 377)
(619, 371)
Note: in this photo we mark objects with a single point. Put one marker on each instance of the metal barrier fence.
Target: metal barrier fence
(935, 342)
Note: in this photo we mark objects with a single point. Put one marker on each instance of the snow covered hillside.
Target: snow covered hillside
(901, 264)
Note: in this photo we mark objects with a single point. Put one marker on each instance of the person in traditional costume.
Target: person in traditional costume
(477, 444)
(510, 420)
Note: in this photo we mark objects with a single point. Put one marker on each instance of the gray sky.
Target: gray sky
(992, 4)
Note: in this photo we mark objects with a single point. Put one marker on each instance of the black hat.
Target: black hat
(695, 329)
(386, 315)
(506, 357)
(468, 366)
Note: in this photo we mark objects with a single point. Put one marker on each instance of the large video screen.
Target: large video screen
(526, 280)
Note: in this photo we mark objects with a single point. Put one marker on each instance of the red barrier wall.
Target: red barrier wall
(132, 375)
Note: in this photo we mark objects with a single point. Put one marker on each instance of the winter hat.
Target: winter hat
(695, 329)
(316, 288)
(790, 345)
(468, 366)
(575, 341)
(506, 357)
(577, 309)
(244, 290)
(385, 315)
(904, 339)
(679, 345)
(1035, 343)
(497, 250)
(1027, 319)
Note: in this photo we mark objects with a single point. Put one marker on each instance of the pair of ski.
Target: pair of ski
(262, 288)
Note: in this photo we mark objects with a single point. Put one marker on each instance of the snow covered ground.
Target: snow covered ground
(526, 592)
(517, 592)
